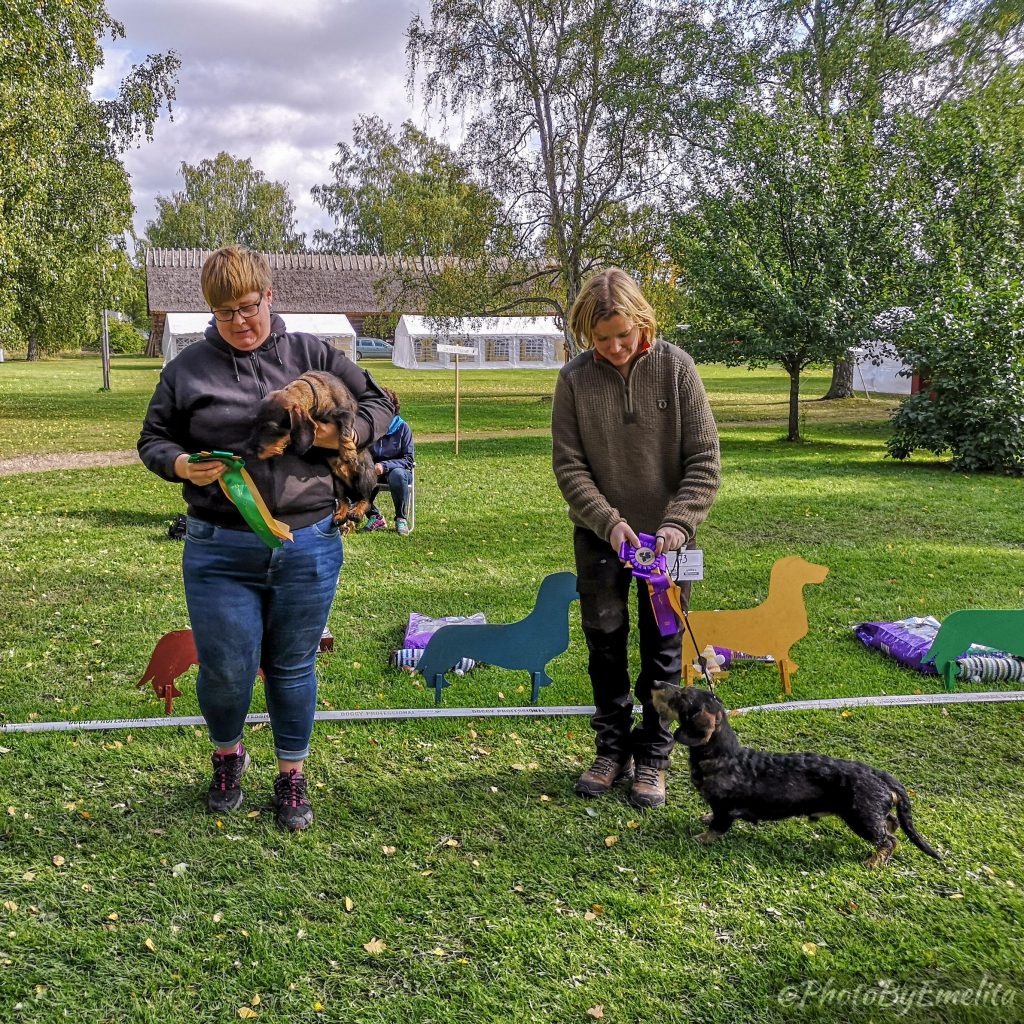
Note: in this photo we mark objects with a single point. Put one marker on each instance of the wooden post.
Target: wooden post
(457, 350)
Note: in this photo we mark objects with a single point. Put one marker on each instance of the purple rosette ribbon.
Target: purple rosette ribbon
(653, 569)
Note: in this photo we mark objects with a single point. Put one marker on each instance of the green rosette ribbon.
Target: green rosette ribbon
(244, 494)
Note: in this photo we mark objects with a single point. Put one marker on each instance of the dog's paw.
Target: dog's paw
(706, 819)
(709, 837)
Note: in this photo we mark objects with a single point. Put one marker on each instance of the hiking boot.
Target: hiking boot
(225, 792)
(602, 775)
(375, 522)
(648, 789)
(402, 526)
(293, 810)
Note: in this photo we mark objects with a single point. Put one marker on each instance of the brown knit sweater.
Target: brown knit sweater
(643, 451)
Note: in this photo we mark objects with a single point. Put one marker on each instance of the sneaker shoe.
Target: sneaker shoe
(374, 523)
(402, 526)
(648, 788)
(293, 810)
(602, 775)
(225, 792)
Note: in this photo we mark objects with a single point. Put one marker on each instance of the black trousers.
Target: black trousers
(604, 584)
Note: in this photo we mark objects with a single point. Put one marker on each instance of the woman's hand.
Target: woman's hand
(669, 538)
(623, 532)
(326, 435)
(199, 473)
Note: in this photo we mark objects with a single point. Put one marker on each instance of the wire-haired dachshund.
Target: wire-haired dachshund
(289, 416)
(742, 784)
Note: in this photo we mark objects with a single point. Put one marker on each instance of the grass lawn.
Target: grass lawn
(494, 892)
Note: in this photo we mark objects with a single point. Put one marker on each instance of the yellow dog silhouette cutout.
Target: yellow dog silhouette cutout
(770, 628)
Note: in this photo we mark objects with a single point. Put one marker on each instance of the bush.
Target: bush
(969, 350)
(125, 340)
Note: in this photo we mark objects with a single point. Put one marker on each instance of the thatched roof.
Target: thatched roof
(303, 282)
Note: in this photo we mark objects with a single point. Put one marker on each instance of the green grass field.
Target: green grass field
(494, 893)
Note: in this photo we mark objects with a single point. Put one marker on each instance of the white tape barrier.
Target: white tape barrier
(402, 714)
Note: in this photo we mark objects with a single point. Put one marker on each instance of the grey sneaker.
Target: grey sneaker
(602, 775)
(293, 810)
(225, 792)
(402, 526)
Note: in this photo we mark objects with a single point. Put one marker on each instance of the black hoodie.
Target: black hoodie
(206, 398)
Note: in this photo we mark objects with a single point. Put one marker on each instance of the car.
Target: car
(372, 348)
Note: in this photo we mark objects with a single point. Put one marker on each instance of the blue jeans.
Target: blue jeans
(254, 608)
(398, 483)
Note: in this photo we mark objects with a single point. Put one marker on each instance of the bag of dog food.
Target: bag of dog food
(422, 627)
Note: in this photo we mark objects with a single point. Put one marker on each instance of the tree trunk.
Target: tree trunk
(794, 404)
(842, 377)
(33, 348)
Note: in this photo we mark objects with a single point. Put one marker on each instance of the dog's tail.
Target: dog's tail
(906, 820)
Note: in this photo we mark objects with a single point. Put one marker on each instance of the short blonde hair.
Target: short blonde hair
(231, 272)
(606, 294)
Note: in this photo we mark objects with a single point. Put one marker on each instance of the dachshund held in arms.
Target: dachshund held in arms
(289, 417)
(742, 784)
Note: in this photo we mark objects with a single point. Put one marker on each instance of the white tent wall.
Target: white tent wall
(883, 379)
(184, 329)
(501, 343)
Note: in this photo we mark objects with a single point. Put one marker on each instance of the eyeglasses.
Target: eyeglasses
(247, 311)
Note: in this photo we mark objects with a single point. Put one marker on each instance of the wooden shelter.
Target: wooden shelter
(357, 286)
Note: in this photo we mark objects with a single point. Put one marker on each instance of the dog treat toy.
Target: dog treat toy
(242, 491)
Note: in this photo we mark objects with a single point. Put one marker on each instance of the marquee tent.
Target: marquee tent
(184, 329)
(885, 374)
(501, 343)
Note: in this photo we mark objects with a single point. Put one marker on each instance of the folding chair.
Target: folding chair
(410, 511)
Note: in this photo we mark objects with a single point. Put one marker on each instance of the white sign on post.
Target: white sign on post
(685, 565)
(456, 350)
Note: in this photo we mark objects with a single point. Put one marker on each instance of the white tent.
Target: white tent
(884, 378)
(184, 329)
(501, 343)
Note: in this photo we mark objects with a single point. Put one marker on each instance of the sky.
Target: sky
(277, 81)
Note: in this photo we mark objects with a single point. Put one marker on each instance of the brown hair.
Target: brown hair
(231, 272)
(394, 398)
(606, 294)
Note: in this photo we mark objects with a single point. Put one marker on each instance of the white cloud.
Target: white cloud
(279, 83)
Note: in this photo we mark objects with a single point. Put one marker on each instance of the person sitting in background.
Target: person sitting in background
(394, 456)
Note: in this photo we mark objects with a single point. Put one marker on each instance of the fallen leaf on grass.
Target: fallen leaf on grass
(253, 814)
(318, 1007)
(58, 861)
(218, 917)
(544, 798)
(427, 873)
(597, 1012)
(113, 916)
(178, 871)
(150, 945)
(29, 876)
(10, 906)
(632, 824)
(374, 946)
(247, 1013)
(255, 1001)
(590, 916)
(389, 850)
(349, 905)
(453, 843)
(810, 948)
(610, 840)
(438, 951)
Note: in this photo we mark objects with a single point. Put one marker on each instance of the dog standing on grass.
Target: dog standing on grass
(742, 784)
(289, 417)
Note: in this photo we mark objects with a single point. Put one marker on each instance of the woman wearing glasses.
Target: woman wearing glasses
(252, 607)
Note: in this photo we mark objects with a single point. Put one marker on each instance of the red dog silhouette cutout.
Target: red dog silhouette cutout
(175, 653)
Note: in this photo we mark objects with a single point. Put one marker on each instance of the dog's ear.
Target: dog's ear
(303, 429)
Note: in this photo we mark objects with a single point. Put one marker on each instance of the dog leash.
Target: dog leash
(243, 493)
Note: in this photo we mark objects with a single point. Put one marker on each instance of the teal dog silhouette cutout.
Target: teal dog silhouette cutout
(528, 644)
(1001, 630)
